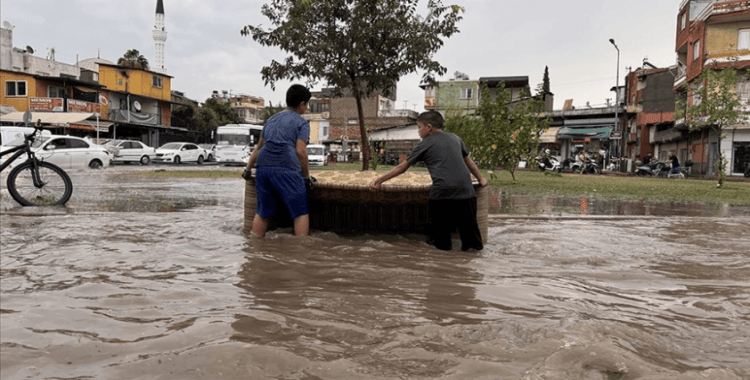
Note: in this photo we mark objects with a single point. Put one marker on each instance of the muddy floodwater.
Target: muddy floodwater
(150, 278)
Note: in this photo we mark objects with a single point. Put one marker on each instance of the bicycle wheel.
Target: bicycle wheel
(56, 186)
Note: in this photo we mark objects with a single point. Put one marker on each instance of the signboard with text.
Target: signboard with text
(46, 104)
(81, 106)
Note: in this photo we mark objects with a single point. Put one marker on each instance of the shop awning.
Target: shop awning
(549, 135)
(92, 124)
(587, 132)
(48, 117)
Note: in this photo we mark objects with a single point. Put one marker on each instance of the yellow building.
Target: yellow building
(137, 95)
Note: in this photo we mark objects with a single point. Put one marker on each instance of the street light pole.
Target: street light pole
(617, 99)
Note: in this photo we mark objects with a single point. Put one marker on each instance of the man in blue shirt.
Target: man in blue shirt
(453, 202)
(281, 161)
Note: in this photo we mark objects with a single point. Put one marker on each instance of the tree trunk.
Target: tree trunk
(364, 145)
(721, 167)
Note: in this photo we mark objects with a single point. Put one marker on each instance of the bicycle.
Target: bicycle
(35, 182)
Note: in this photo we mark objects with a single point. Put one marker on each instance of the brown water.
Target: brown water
(153, 279)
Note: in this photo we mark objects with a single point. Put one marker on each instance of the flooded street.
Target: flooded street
(152, 278)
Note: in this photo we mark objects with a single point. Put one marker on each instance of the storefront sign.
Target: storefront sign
(81, 106)
(46, 104)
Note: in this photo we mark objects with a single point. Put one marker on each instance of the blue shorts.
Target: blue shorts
(276, 185)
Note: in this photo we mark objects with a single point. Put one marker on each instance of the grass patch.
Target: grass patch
(534, 183)
(628, 188)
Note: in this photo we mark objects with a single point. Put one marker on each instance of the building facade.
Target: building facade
(714, 35)
(464, 93)
(648, 122)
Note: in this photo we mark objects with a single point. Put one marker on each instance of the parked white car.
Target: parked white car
(68, 152)
(233, 154)
(210, 151)
(178, 152)
(132, 151)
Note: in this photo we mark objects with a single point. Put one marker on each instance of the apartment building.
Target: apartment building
(713, 35)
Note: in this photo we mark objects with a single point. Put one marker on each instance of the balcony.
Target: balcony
(667, 135)
(134, 117)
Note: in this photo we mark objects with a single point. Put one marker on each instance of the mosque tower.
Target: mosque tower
(160, 37)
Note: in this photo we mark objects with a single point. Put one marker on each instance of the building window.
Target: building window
(157, 81)
(323, 130)
(743, 40)
(56, 92)
(683, 21)
(696, 50)
(15, 88)
(120, 82)
(466, 93)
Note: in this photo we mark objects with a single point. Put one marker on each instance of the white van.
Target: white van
(8, 134)
(316, 155)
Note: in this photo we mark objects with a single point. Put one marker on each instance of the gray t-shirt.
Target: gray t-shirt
(443, 153)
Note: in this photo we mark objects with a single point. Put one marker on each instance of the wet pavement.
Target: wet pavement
(152, 278)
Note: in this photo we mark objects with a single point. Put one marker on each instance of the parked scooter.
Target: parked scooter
(590, 167)
(653, 168)
(551, 164)
(683, 173)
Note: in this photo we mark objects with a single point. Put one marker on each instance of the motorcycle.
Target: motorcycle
(553, 165)
(590, 167)
(653, 168)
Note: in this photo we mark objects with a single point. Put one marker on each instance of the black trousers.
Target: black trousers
(448, 215)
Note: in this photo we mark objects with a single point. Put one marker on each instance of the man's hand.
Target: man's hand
(375, 185)
(247, 174)
(310, 183)
(483, 182)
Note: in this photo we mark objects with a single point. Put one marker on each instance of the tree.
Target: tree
(357, 46)
(270, 111)
(133, 58)
(544, 88)
(215, 113)
(184, 117)
(502, 133)
(715, 105)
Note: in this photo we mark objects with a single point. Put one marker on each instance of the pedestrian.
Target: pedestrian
(647, 159)
(675, 165)
(453, 202)
(282, 177)
(583, 158)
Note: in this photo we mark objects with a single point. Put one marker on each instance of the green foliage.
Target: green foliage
(133, 58)
(374, 154)
(544, 87)
(716, 106)
(215, 113)
(184, 117)
(502, 133)
(357, 46)
(270, 111)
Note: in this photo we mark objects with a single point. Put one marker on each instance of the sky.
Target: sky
(205, 51)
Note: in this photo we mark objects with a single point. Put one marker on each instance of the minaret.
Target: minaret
(160, 37)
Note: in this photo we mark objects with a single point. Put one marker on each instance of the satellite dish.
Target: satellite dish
(137, 105)
(103, 100)
(29, 49)
(7, 25)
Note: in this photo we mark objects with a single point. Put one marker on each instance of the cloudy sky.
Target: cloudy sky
(205, 51)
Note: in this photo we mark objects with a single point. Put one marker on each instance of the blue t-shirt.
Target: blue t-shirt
(280, 135)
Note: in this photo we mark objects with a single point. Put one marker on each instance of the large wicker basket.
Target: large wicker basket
(356, 209)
